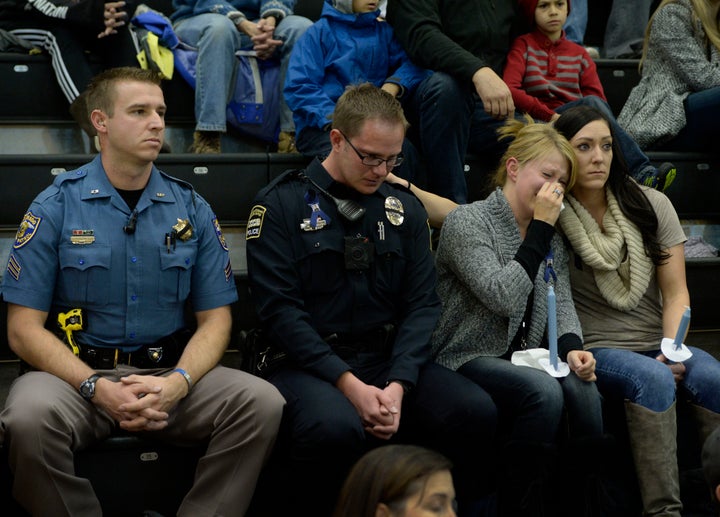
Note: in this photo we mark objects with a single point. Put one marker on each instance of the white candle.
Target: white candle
(682, 328)
(552, 327)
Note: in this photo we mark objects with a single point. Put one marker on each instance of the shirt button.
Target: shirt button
(133, 297)
(81, 261)
(133, 259)
(132, 335)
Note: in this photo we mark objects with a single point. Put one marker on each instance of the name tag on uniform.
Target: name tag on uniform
(82, 237)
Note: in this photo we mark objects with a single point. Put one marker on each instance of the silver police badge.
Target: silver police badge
(394, 210)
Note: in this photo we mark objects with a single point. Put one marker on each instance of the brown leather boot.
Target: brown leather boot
(286, 142)
(653, 438)
(206, 142)
(707, 421)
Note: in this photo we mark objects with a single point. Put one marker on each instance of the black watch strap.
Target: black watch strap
(87, 387)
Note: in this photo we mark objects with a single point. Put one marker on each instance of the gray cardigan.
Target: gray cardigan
(679, 61)
(484, 290)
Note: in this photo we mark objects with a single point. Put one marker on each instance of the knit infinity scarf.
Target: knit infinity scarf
(617, 256)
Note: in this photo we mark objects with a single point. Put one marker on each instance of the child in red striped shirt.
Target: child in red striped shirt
(544, 70)
(547, 74)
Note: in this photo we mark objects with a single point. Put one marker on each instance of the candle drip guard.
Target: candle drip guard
(539, 358)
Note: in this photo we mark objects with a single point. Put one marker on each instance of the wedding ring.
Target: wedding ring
(558, 191)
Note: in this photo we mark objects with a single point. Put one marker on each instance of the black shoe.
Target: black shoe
(658, 178)
(666, 175)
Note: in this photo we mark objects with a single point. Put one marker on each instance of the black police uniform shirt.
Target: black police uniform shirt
(303, 288)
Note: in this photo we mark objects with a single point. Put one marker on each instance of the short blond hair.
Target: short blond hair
(363, 102)
(533, 141)
(101, 93)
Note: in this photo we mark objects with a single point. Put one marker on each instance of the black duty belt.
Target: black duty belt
(379, 340)
(164, 353)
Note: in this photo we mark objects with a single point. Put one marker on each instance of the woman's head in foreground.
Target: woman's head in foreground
(398, 481)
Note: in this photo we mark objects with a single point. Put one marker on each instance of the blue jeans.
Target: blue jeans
(576, 22)
(699, 133)
(441, 110)
(533, 400)
(637, 161)
(625, 29)
(450, 122)
(640, 378)
(217, 39)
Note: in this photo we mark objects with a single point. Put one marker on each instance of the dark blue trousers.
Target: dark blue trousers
(322, 434)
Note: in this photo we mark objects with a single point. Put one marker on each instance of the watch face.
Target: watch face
(87, 388)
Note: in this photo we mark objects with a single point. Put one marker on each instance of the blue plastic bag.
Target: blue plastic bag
(254, 109)
(255, 105)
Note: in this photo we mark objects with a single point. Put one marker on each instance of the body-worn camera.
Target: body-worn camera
(359, 253)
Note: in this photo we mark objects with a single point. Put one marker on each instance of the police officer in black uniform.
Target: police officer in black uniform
(343, 279)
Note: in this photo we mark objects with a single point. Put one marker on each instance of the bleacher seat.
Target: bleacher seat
(228, 181)
(618, 78)
(130, 474)
(29, 90)
(154, 476)
(695, 189)
(279, 163)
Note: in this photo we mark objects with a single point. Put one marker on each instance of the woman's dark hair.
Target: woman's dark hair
(630, 198)
(389, 475)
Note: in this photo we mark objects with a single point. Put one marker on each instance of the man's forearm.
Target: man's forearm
(40, 348)
(208, 344)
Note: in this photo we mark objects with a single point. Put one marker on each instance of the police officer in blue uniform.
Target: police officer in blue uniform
(115, 249)
(343, 279)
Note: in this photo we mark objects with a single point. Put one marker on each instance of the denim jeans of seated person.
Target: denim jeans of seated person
(640, 378)
(217, 39)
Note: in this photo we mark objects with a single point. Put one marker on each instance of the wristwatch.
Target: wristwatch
(87, 387)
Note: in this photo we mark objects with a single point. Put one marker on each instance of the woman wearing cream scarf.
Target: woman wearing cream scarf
(628, 283)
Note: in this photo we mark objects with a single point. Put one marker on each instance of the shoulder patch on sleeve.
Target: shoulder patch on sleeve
(27, 229)
(255, 222)
(219, 233)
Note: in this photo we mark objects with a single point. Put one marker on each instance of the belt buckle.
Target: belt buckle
(155, 354)
(105, 361)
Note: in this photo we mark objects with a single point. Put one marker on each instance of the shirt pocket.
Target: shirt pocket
(321, 259)
(176, 273)
(390, 264)
(86, 278)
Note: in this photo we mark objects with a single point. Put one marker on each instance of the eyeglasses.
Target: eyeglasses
(374, 161)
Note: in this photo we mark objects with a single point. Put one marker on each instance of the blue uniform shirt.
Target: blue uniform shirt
(71, 251)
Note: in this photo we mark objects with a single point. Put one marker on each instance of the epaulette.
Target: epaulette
(288, 175)
(72, 175)
(52, 189)
(184, 183)
(180, 182)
